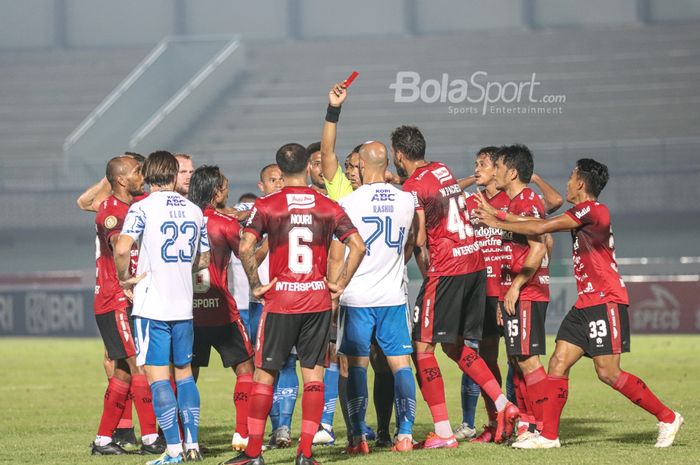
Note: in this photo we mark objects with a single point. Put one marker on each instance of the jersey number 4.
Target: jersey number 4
(458, 218)
(383, 226)
(168, 251)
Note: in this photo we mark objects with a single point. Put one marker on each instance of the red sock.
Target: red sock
(635, 390)
(241, 394)
(488, 402)
(557, 391)
(521, 397)
(431, 385)
(115, 398)
(144, 404)
(311, 413)
(126, 421)
(259, 407)
(537, 393)
(475, 367)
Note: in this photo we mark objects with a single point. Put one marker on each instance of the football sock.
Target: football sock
(126, 421)
(405, 399)
(383, 398)
(488, 403)
(275, 408)
(537, 393)
(330, 394)
(144, 405)
(343, 399)
(635, 390)
(521, 396)
(113, 406)
(357, 399)
(311, 411)
(188, 405)
(510, 387)
(474, 366)
(433, 389)
(258, 409)
(470, 397)
(287, 389)
(557, 391)
(241, 394)
(165, 408)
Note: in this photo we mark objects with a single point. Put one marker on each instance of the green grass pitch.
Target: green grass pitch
(51, 399)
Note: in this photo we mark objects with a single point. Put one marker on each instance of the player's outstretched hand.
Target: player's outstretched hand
(337, 95)
(128, 285)
(511, 299)
(260, 291)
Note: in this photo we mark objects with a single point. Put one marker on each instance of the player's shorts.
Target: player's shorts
(598, 330)
(491, 327)
(230, 341)
(252, 321)
(115, 329)
(450, 308)
(160, 343)
(389, 327)
(524, 332)
(278, 333)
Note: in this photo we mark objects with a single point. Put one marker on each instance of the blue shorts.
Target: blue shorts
(390, 327)
(252, 321)
(160, 343)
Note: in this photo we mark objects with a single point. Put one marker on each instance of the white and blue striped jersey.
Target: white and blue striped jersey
(171, 231)
(383, 215)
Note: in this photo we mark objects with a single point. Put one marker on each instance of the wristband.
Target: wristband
(501, 215)
(332, 114)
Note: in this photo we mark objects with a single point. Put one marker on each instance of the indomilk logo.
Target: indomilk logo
(300, 201)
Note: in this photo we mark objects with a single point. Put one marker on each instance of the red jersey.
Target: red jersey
(489, 240)
(300, 224)
(595, 267)
(108, 223)
(451, 243)
(213, 304)
(516, 248)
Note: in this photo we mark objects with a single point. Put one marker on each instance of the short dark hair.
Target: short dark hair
(267, 167)
(519, 158)
(356, 149)
(292, 158)
(409, 141)
(593, 174)
(136, 156)
(114, 168)
(160, 168)
(206, 180)
(490, 151)
(247, 196)
(313, 148)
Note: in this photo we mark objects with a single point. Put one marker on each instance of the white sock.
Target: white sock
(401, 437)
(443, 429)
(174, 449)
(149, 439)
(327, 426)
(501, 402)
(102, 440)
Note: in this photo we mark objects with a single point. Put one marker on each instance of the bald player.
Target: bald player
(374, 304)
